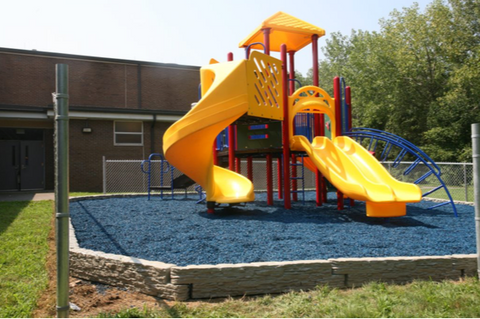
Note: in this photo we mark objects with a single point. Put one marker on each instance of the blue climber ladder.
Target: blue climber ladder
(303, 125)
(394, 143)
(179, 182)
(164, 168)
(201, 194)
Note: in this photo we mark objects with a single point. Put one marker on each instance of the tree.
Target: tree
(449, 123)
(419, 77)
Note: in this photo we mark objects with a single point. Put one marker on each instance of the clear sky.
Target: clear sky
(188, 32)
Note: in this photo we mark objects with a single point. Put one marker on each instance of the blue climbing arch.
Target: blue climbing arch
(397, 148)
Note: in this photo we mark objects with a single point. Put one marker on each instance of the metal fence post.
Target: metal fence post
(476, 183)
(60, 99)
(465, 181)
(104, 170)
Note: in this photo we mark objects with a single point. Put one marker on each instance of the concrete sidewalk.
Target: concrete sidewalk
(26, 196)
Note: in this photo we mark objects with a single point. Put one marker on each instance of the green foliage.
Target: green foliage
(418, 77)
(24, 228)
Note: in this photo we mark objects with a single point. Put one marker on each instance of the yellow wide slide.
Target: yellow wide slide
(358, 175)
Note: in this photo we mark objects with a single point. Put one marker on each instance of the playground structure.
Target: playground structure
(193, 136)
(255, 99)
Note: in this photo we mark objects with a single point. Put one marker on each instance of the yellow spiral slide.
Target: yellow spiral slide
(229, 90)
(187, 144)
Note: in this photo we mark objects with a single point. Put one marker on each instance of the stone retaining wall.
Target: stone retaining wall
(169, 281)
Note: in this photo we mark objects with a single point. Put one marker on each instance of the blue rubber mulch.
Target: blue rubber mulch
(182, 233)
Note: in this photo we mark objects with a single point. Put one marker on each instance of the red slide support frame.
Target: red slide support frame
(285, 132)
(338, 127)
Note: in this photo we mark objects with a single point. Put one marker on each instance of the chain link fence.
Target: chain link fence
(126, 176)
(458, 177)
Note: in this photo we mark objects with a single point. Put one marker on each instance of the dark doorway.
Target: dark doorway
(22, 159)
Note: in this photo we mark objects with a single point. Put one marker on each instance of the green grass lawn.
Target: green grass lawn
(76, 194)
(375, 300)
(458, 193)
(24, 229)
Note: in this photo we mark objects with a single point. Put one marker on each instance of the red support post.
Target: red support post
(291, 71)
(338, 106)
(238, 165)
(279, 178)
(231, 148)
(231, 135)
(338, 126)
(348, 99)
(291, 85)
(269, 180)
(210, 207)
(285, 131)
(250, 168)
(315, 59)
(320, 189)
(266, 40)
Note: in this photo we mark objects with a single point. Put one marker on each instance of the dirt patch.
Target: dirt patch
(92, 299)
(89, 298)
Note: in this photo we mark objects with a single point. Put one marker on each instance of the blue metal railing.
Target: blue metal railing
(165, 167)
(201, 195)
(247, 49)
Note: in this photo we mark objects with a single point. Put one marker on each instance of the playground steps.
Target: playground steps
(298, 178)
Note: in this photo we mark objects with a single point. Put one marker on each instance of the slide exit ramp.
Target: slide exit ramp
(396, 147)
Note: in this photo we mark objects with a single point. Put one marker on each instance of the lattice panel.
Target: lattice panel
(264, 74)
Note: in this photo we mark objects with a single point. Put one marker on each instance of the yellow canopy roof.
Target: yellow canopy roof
(284, 29)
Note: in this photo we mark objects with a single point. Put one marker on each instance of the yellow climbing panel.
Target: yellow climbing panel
(264, 78)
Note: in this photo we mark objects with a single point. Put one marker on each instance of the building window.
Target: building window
(128, 133)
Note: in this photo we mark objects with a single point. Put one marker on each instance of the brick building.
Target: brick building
(119, 109)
